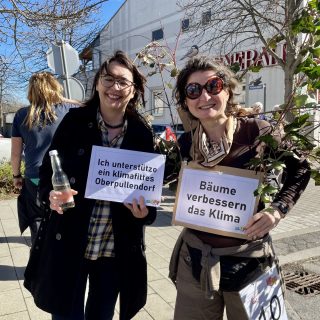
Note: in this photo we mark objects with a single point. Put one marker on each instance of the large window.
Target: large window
(157, 34)
(206, 18)
(157, 103)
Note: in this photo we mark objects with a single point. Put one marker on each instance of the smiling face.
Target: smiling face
(207, 106)
(113, 99)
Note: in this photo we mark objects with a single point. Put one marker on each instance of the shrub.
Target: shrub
(6, 182)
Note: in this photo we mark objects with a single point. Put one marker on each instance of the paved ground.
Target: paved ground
(296, 239)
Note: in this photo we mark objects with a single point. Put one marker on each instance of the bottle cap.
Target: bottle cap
(53, 153)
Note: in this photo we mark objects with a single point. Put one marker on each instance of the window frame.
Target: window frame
(206, 17)
(185, 29)
(153, 34)
(157, 96)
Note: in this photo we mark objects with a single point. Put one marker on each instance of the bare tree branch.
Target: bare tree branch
(236, 24)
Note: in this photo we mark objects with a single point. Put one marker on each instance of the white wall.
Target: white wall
(131, 29)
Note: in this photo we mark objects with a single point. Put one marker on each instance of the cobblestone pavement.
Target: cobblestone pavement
(296, 239)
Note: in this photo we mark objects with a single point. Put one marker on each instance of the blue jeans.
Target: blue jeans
(102, 295)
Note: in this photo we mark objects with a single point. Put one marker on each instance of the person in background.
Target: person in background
(257, 109)
(102, 241)
(210, 269)
(276, 114)
(32, 131)
(278, 117)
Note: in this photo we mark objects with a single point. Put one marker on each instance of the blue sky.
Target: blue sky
(108, 9)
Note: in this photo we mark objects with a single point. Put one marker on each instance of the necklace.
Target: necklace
(114, 127)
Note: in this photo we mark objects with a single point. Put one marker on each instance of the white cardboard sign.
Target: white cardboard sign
(219, 201)
(263, 299)
(121, 175)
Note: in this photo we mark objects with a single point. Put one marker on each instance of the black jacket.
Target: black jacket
(58, 252)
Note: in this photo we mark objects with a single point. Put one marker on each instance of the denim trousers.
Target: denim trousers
(103, 281)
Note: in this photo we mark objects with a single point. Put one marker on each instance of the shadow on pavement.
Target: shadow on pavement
(18, 239)
(9, 273)
(163, 219)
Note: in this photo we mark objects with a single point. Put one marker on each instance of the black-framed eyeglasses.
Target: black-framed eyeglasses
(108, 81)
(213, 86)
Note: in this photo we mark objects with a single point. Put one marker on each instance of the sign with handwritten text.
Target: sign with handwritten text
(263, 299)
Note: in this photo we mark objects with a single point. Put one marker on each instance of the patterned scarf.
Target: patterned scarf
(208, 153)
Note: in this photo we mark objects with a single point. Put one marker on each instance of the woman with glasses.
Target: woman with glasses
(99, 241)
(209, 269)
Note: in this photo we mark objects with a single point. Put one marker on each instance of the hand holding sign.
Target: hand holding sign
(124, 175)
(139, 210)
(262, 223)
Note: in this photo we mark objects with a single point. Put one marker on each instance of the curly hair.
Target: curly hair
(43, 93)
(205, 63)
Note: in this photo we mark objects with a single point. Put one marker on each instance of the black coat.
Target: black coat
(58, 252)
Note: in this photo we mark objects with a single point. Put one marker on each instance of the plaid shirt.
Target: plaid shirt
(100, 235)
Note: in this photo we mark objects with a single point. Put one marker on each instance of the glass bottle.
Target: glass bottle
(60, 181)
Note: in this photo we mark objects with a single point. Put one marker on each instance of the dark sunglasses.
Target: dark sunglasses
(213, 86)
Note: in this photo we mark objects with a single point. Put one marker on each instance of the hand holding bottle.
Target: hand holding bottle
(58, 198)
(61, 185)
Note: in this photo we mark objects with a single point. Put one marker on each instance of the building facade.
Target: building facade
(137, 23)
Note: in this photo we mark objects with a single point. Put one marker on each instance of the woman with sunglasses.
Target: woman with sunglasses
(209, 269)
(97, 240)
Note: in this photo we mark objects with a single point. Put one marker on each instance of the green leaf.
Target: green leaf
(300, 100)
(169, 85)
(304, 24)
(255, 68)
(314, 4)
(255, 162)
(316, 52)
(269, 140)
(315, 174)
(272, 43)
(265, 198)
(270, 190)
(235, 67)
(278, 165)
(259, 190)
(316, 84)
(287, 154)
(174, 72)
(297, 123)
(310, 105)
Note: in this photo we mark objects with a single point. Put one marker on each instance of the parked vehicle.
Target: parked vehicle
(164, 131)
(167, 132)
(178, 129)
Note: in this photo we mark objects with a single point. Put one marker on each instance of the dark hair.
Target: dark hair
(138, 79)
(205, 63)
